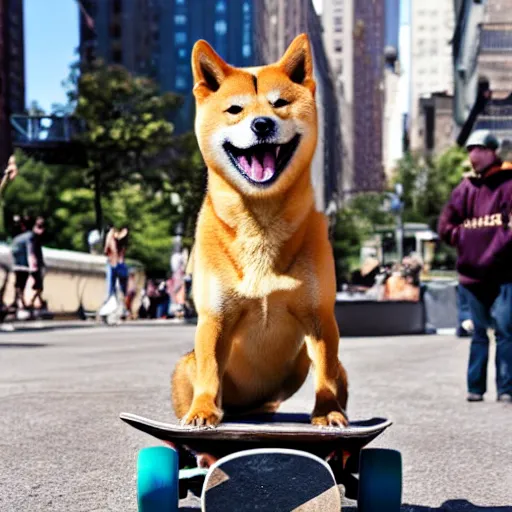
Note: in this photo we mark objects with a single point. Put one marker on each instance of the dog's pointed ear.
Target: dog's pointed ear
(297, 62)
(208, 68)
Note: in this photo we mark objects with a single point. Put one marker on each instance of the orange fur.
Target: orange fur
(263, 270)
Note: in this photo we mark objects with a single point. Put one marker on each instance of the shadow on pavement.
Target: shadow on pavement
(23, 345)
(448, 506)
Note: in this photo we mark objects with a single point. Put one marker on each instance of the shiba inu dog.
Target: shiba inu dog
(263, 270)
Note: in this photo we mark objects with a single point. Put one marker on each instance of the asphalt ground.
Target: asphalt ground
(63, 447)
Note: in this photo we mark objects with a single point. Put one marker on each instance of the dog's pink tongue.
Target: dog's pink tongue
(256, 169)
(244, 163)
(269, 165)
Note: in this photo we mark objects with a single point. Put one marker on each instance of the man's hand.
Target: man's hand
(11, 171)
(32, 263)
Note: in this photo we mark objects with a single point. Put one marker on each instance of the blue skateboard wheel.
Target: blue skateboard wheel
(157, 479)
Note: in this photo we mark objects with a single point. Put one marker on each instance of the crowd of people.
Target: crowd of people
(160, 298)
(392, 281)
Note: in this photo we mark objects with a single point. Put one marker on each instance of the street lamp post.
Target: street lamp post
(397, 207)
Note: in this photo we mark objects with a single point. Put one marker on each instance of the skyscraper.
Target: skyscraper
(332, 21)
(155, 38)
(12, 71)
(432, 26)
(365, 31)
(277, 23)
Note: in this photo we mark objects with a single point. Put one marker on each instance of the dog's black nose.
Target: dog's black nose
(263, 126)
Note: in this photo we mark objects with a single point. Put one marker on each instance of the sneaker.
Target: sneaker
(505, 397)
(475, 397)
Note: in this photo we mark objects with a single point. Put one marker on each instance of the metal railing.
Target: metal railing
(45, 129)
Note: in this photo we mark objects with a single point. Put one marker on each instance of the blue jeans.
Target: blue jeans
(490, 308)
(115, 273)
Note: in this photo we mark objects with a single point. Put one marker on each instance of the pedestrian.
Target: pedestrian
(27, 253)
(116, 244)
(10, 172)
(477, 220)
(36, 263)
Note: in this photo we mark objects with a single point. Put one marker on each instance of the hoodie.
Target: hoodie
(477, 220)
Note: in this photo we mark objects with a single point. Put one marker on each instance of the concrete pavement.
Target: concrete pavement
(63, 447)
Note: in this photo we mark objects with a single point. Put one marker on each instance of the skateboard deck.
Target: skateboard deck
(280, 430)
(269, 480)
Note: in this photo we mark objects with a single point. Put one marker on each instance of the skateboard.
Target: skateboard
(247, 449)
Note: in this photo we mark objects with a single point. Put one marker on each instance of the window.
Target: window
(221, 27)
(220, 6)
(180, 19)
(182, 53)
(247, 32)
(338, 29)
(115, 31)
(117, 56)
(247, 7)
(180, 37)
(246, 50)
(180, 82)
(338, 46)
(180, 2)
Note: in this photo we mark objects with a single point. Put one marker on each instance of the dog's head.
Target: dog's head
(256, 127)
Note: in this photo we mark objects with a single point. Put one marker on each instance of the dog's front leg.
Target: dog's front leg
(211, 353)
(331, 387)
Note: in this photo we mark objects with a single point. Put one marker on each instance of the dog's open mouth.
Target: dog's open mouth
(262, 164)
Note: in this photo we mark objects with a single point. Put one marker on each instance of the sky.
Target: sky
(51, 39)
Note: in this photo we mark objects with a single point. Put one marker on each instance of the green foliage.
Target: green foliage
(429, 183)
(355, 222)
(427, 187)
(126, 116)
(140, 168)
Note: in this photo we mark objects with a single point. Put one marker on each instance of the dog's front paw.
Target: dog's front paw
(203, 413)
(331, 419)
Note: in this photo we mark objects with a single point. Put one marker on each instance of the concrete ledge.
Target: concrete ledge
(50, 325)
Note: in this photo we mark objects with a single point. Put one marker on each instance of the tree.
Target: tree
(428, 183)
(355, 222)
(37, 189)
(127, 126)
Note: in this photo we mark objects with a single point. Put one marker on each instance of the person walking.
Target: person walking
(27, 253)
(36, 263)
(116, 244)
(477, 220)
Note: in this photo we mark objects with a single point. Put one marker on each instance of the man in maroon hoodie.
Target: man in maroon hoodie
(478, 222)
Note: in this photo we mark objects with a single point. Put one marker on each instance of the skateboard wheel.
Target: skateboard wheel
(380, 481)
(157, 479)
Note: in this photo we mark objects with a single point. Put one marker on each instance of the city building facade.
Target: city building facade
(12, 71)
(277, 23)
(432, 26)
(155, 38)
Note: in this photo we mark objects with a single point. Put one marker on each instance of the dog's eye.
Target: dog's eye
(234, 109)
(280, 103)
